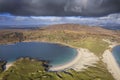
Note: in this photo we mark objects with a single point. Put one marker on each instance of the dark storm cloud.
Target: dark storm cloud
(93, 7)
(59, 7)
(32, 7)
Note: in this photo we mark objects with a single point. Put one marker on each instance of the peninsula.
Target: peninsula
(89, 64)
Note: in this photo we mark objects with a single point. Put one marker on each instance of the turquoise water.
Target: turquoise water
(116, 53)
(56, 54)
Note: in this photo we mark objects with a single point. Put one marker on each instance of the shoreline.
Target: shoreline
(79, 62)
(83, 59)
(111, 63)
(86, 59)
(60, 43)
(65, 66)
(8, 65)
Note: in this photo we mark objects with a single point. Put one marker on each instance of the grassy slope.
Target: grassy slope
(90, 38)
(27, 69)
(76, 39)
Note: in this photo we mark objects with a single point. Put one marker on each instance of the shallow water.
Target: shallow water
(116, 53)
(56, 54)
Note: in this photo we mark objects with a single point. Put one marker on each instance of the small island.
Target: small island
(90, 63)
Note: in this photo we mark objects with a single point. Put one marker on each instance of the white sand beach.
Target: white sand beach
(111, 63)
(84, 58)
(8, 65)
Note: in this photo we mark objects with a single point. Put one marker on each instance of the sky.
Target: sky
(59, 7)
(31, 12)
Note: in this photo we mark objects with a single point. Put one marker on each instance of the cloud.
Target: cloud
(93, 7)
(59, 7)
(33, 7)
(111, 21)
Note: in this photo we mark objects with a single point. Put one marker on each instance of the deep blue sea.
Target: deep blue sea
(56, 54)
(116, 53)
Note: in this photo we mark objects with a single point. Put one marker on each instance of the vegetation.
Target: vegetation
(2, 64)
(71, 35)
(75, 39)
(10, 37)
(31, 69)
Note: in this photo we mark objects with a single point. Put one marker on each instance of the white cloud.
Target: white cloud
(20, 18)
(110, 20)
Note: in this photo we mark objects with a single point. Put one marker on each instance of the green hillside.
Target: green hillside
(68, 34)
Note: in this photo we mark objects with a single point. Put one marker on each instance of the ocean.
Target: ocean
(116, 54)
(56, 54)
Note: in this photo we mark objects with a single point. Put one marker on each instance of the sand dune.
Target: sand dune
(111, 64)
